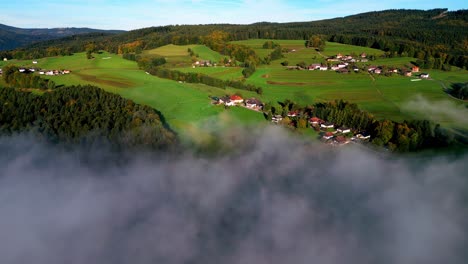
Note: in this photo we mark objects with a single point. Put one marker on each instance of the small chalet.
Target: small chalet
(363, 55)
(323, 68)
(339, 56)
(236, 99)
(371, 68)
(314, 66)
(5, 59)
(415, 69)
(327, 125)
(335, 68)
(328, 135)
(363, 135)
(355, 68)
(424, 75)
(408, 73)
(253, 103)
(343, 130)
(293, 113)
(340, 140)
(315, 121)
(276, 118)
(377, 71)
(22, 70)
(34, 62)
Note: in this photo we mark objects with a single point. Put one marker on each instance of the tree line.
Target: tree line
(83, 115)
(403, 136)
(192, 77)
(434, 40)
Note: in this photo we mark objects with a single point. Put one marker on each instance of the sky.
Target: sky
(128, 15)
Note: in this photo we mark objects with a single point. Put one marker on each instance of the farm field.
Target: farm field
(383, 96)
(183, 105)
(178, 56)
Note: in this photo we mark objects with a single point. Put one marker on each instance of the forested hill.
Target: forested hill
(83, 115)
(13, 37)
(422, 34)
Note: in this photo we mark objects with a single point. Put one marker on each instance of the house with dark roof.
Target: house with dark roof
(327, 125)
(343, 130)
(253, 103)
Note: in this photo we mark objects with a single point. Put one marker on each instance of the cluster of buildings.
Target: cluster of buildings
(405, 72)
(336, 135)
(329, 132)
(208, 63)
(346, 63)
(237, 100)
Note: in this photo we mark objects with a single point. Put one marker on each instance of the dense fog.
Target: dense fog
(272, 199)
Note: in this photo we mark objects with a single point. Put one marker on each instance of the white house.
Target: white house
(34, 62)
(5, 59)
(343, 130)
(323, 68)
(424, 75)
(327, 125)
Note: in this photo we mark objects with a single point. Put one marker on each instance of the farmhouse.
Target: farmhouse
(327, 125)
(314, 66)
(328, 135)
(363, 135)
(415, 69)
(408, 73)
(236, 99)
(424, 75)
(315, 121)
(253, 103)
(276, 118)
(293, 113)
(377, 71)
(363, 55)
(34, 62)
(5, 59)
(323, 68)
(340, 140)
(343, 130)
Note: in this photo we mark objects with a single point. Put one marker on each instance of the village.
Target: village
(346, 63)
(329, 132)
(40, 71)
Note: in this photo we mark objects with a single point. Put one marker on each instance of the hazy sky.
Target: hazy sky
(118, 14)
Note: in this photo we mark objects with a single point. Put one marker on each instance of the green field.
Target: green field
(380, 95)
(183, 105)
(178, 56)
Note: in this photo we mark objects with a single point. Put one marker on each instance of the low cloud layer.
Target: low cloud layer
(438, 111)
(276, 200)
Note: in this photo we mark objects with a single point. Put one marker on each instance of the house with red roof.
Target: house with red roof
(236, 99)
(328, 135)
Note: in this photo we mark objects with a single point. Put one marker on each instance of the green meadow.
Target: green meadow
(183, 105)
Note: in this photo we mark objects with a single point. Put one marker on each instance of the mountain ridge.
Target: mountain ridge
(14, 37)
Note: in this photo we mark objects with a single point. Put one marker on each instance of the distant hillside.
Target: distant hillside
(12, 37)
(424, 34)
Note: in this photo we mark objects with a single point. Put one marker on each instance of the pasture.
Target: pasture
(183, 105)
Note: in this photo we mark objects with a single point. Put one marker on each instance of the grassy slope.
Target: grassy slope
(383, 96)
(183, 105)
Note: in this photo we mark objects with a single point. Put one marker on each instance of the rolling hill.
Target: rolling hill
(13, 37)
